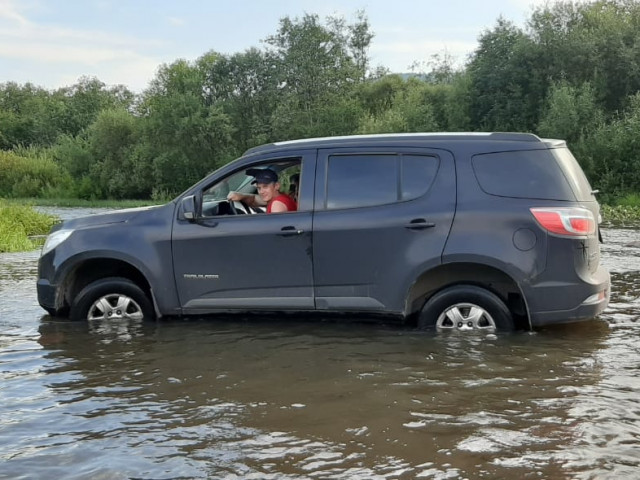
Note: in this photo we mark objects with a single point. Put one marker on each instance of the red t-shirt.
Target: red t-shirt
(286, 199)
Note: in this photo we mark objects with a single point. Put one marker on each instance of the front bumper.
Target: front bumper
(46, 294)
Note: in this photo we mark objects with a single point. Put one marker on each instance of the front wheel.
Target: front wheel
(465, 308)
(111, 299)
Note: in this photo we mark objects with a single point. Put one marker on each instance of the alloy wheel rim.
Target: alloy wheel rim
(115, 306)
(465, 317)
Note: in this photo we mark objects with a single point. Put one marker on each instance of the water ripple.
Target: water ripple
(270, 399)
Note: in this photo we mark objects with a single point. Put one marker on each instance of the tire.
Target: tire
(111, 298)
(465, 308)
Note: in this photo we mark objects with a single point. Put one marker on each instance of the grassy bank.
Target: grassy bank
(620, 213)
(18, 223)
(77, 202)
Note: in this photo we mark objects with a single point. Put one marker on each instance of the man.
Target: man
(266, 181)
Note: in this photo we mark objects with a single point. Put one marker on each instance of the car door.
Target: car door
(247, 261)
(382, 218)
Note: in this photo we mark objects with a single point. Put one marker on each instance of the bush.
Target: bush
(613, 151)
(620, 213)
(31, 175)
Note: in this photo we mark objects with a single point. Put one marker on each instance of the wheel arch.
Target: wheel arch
(92, 269)
(485, 276)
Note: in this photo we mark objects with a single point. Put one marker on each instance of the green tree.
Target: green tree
(504, 91)
(411, 111)
(378, 95)
(245, 86)
(113, 139)
(31, 115)
(572, 113)
(186, 135)
(458, 104)
(27, 116)
(315, 71)
(596, 42)
(359, 40)
(82, 102)
(613, 151)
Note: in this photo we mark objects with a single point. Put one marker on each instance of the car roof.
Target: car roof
(402, 138)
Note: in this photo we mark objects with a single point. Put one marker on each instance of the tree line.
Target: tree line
(573, 72)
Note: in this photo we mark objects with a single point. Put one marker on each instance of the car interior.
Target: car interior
(214, 198)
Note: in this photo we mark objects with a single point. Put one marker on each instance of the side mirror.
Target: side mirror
(188, 208)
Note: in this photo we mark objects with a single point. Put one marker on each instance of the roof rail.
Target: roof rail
(507, 136)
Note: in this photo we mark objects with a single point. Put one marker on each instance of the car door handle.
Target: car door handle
(290, 231)
(419, 224)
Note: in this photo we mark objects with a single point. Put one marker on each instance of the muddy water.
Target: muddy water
(311, 399)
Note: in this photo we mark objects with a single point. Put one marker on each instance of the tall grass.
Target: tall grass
(81, 203)
(18, 223)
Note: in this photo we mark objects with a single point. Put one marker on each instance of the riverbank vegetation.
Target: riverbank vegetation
(19, 224)
(82, 203)
(573, 72)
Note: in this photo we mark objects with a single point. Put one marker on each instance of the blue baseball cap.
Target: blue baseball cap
(263, 175)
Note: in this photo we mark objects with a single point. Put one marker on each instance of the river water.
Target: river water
(311, 399)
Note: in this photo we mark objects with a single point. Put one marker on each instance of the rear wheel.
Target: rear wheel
(465, 308)
(111, 299)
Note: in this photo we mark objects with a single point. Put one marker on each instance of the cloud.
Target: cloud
(52, 50)
(528, 5)
(56, 35)
(56, 53)
(177, 22)
(400, 56)
(9, 12)
(425, 46)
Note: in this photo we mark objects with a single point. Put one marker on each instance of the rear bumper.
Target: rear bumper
(580, 313)
(574, 302)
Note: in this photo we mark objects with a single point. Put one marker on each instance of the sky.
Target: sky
(52, 43)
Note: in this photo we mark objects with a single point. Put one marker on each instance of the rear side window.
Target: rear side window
(368, 180)
(418, 173)
(522, 174)
(574, 174)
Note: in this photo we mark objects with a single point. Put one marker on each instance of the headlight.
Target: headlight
(55, 239)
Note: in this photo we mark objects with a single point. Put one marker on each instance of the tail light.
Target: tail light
(571, 222)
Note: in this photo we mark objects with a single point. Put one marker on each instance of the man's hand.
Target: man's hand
(235, 197)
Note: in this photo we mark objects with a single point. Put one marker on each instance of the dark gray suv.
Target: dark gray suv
(458, 231)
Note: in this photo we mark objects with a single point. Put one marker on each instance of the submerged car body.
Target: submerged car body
(462, 231)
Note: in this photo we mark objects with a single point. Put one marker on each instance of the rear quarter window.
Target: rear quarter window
(574, 174)
(522, 174)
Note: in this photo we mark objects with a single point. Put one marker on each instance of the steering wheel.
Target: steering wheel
(235, 211)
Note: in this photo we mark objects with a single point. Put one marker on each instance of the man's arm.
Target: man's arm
(277, 206)
(249, 199)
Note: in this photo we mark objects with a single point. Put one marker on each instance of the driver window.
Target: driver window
(215, 198)
(237, 182)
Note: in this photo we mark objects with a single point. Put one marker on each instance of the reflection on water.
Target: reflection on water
(232, 398)
(269, 399)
